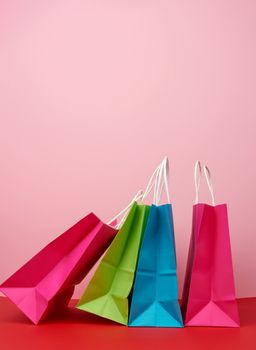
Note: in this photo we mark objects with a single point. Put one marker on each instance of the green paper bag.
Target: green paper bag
(108, 291)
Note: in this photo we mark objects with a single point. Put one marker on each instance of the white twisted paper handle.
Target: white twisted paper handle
(162, 182)
(139, 197)
(197, 179)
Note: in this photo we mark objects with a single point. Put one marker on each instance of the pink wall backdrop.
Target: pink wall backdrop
(94, 93)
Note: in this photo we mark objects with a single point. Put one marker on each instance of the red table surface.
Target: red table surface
(75, 329)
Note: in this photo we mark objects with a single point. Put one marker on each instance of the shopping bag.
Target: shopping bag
(46, 282)
(209, 292)
(154, 300)
(108, 291)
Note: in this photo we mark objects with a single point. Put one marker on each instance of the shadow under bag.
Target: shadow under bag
(154, 300)
(209, 292)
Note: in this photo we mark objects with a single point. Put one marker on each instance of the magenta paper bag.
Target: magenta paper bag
(46, 282)
(209, 292)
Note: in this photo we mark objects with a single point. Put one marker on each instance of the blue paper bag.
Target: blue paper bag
(154, 301)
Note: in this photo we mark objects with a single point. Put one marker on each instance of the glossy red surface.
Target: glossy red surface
(75, 329)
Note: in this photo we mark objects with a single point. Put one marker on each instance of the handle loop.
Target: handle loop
(162, 182)
(124, 211)
(140, 197)
(197, 179)
(158, 180)
(151, 182)
(208, 177)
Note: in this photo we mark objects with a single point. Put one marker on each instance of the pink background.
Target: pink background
(94, 93)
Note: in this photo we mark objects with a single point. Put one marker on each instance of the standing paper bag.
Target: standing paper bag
(155, 294)
(209, 292)
(107, 293)
(46, 282)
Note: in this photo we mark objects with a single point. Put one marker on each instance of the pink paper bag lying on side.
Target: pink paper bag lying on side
(47, 281)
